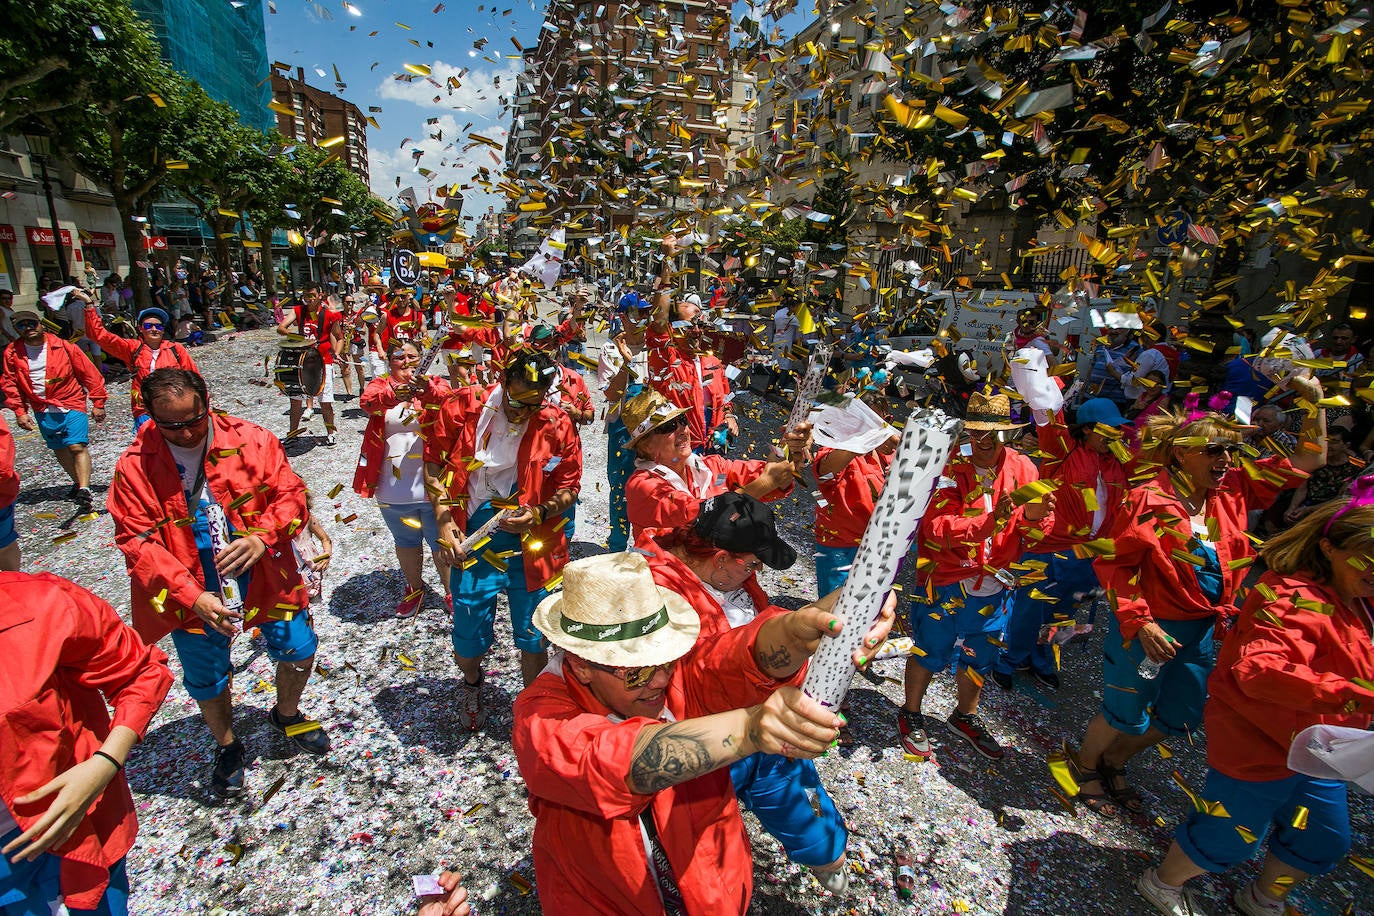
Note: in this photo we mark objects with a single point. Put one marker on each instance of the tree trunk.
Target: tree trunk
(133, 240)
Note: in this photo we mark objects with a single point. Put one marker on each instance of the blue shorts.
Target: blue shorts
(787, 797)
(7, 533)
(204, 657)
(1215, 844)
(937, 626)
(407, 536)
(832, 567)
(60, 430)
(1063, 577)
(1172, 702)
(476, 589)
(31, 888)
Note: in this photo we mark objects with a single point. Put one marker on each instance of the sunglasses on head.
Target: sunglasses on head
(673, 425)
(635, 677)
(180, 424)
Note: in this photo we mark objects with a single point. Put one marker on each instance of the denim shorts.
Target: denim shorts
(406, 535)
(1172, 702)
(61, 429)
(204, 657)
(7, 533)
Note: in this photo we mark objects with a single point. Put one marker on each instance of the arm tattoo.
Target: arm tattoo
(776, 660)
(673, 754)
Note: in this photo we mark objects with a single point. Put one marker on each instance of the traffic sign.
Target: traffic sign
(1174, 228)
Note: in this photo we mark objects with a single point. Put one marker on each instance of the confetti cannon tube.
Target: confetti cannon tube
(808, 389)
(432, 351)
(218, 526)
(465, 546)
(925, 446)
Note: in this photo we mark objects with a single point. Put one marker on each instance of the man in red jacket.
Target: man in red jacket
(191, 481)
(54, 378)
(67, 819)
(625, 740)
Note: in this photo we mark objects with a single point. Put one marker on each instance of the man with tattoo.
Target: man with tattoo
(625, 739)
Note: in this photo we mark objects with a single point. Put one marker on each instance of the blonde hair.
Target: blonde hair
(1167, 429)
(1299, 548)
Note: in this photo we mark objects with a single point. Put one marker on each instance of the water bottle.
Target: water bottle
(1149, 668)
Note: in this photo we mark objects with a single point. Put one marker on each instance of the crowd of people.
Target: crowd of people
(661, 684)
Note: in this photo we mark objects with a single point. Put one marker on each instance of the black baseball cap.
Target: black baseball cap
(741, 523)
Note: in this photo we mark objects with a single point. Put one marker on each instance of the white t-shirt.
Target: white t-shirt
(38, 368)
(189, 461)
(403, 475)
(498, 450)
(738, 605)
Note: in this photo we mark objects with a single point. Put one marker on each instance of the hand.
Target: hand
(1308, 389)
(890, 446)
(1158, 645)
(519, 521)
(98, 414)
(321, 565)
(779, 474)
(211, 609)
(1040, 508)
(240, 555)
(798, 442)
(77, 789)
(451, 535)
(1295, 514)
(807, 626)
(1003, 510)
(669, 246)
(732, 425)
(26, 421)
(623, 345)
(455, 903)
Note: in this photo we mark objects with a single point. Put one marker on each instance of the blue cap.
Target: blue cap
(155, 313)
(631, 300)
(1100, 410)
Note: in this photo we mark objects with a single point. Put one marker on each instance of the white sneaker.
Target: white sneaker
(1171, 901)
(1254, 902)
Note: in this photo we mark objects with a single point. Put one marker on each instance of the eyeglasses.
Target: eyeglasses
(152, 326)
(1214, 449)
(672, 425)
(522, 404)
(634, 678)
(181, 424)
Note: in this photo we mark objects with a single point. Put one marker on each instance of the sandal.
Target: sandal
(906, 875)
(1125, 794)
(1102, 802)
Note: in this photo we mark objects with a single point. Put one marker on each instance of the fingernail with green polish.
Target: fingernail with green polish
(863, 659)
(834, 623)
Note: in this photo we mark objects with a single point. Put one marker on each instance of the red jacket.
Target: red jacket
(589, 853)
(675, 373)
(676, 576)
(849, 497)
(1077, 468)
(137, 355)
(9, 477)
(376, 400)
(67, 654)
(71, 378)
(653, 504)
(717, 386)
(548, 436)
(954, 535)
(1148, 581)
(1286, 665)
(150, 513)
(572, 389)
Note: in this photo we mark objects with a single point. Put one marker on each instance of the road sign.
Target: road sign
(405, 266)
(1174, 229)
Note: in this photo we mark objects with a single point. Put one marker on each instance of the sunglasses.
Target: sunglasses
(25, 324)
(634, 678)
(744, 560)
(152, 326)
(672, 426)
(181, 424)
(522, 404)
(1214, 449)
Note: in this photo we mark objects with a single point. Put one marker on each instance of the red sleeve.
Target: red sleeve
(567, 474)
(379, 396)
(87, 373)
(285, 513)
(652, 502)
(9, 386)
(151, 564)
(1275, 663)
(9, 479)
(740, 473)
(105, 654)
(1260, 482)
(120, 348)
(443, 436)
(945, 526)
(1055, 444)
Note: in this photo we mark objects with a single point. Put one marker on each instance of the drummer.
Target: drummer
(322, 329)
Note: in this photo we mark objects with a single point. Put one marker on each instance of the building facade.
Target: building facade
(320, 117)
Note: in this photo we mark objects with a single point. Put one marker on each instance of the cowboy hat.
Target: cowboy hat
(645, 412)
(611, 612)
(989, 412)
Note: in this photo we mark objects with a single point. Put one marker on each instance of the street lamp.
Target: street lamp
(40, 150)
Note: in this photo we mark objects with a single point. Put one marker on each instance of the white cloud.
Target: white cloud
(446, 158)
(478, 94)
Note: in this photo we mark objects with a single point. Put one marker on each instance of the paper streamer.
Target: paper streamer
(218, 527)
(926, 443)
(465, 546)
(808, 389)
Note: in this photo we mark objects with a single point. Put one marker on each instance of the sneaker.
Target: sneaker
(410, 605)
(911, 727)
(1003, 679)
(226, 780)
(330, 440)
(1172, 901)
(971, 728)
(837, 881)
(71, 492)
(1254, 902)
(471, 712)
(85, 499)
(312, 741)
(1047, 679)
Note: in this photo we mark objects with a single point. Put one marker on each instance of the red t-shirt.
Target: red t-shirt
(319, 328)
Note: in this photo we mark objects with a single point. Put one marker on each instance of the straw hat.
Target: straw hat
(989, 411)
(645, 412)
(611, 612)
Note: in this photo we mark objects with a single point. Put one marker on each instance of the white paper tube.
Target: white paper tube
(926, 443)
(808, 389)
(487, 528)
(218, 527)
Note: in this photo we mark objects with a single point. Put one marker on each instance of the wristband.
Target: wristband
(117, 765)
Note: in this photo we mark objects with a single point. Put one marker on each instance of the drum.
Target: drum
(300, 371)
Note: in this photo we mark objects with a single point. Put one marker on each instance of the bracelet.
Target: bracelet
(117, 765)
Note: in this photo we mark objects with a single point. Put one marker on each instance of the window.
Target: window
(646, 46)
(706, 81)
(677, 16)
(705, 53)
(704, 112)
(673, 108)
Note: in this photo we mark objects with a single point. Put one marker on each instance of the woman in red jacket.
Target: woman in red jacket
(67, 819)
(401, 409)
(670, 480)
(152, 349)
(1300, 655)
(1180, 555)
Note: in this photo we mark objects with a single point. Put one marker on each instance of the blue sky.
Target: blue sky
(369, 43)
